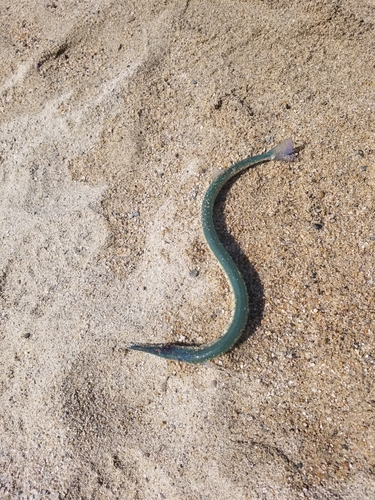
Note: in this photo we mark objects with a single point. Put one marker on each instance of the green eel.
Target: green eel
(198, 354)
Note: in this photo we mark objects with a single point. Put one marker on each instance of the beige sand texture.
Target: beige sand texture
(114, 116)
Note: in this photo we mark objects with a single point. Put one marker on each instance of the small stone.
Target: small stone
(193, 273)
(132, 215)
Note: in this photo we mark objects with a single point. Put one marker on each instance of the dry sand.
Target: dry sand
(114, 116)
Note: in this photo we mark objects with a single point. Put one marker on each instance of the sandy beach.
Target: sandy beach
(114, 118)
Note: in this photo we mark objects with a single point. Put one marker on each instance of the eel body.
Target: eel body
(199, 354)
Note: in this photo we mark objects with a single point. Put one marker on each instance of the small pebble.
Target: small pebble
(194, 273)
(132, 215)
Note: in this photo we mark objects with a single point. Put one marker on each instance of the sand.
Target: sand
(114, 116)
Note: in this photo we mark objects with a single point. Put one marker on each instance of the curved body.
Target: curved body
(199, 354)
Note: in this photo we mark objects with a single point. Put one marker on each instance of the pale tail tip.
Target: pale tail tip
(283, 151)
